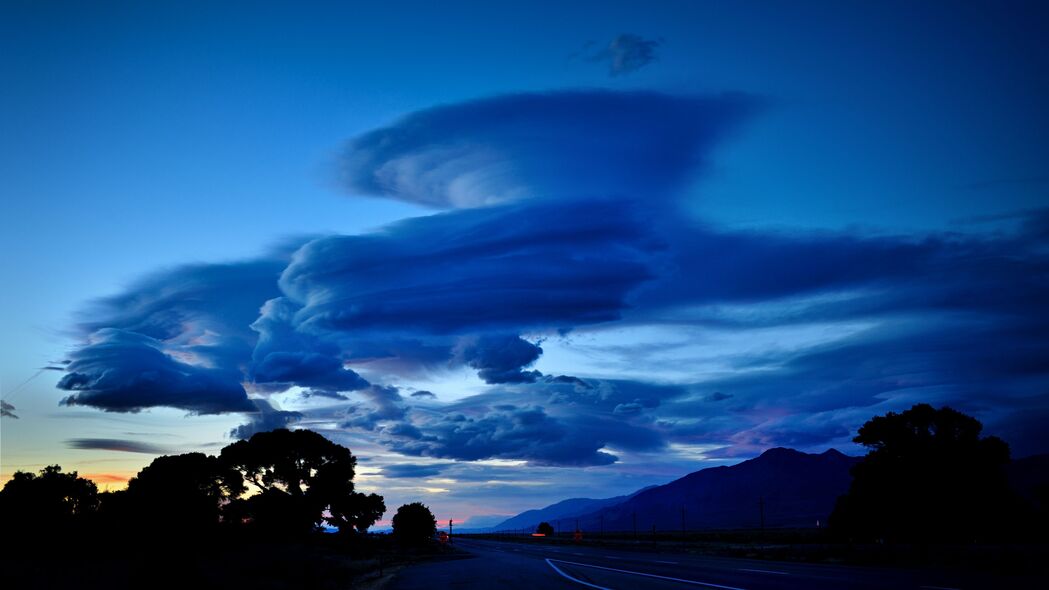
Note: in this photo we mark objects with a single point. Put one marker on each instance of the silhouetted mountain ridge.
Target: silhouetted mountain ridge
(564, 509)
(792, 488)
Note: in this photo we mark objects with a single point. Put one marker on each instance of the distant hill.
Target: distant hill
(565, 509)
(796, 489)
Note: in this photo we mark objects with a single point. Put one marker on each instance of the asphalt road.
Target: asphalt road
(519, 566)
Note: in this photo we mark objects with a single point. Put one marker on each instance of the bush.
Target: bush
(414, 524)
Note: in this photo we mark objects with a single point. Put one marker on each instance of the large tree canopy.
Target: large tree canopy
(184, 491)
(300, 475)
(47, 500)
(929, 475)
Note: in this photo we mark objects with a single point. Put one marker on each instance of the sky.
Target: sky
(514, 253)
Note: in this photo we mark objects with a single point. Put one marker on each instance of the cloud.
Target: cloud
(500, 358)
(201, 311)
(384, 405)
(551, 146)
(475, 270)
(7, 410)
(284, 357)
(543, 423)
(477, 276)
(115, 444)
(562, 217)
(423, 394)
(628, 409)
(177, 338)
(410, 470)
(627, 53)
(265, 418)
(106, 478)
(121, 371)
(519, 433)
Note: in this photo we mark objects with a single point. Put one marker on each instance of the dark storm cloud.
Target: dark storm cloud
(544, 423)
(475, 270)
(626, 53)
(522, 433)
(553, 145)
(500, 358)
(177, 338)
(114, 444)
(284, 357)
(120, 371)
(263, 419)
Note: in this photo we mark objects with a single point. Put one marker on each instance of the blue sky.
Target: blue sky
(770, 223)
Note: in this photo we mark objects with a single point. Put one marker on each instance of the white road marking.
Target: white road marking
(743, 569)
(576, 580)
(612, 569)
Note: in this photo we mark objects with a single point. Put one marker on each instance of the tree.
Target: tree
(299, 475)
(356, 512)
(928, 476)
(50, 500)
(545, 528)
(414, 524)
(184, 491)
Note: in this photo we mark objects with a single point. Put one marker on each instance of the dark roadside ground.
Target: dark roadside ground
(321, 562)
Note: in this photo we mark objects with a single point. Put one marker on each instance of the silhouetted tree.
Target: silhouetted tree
(299, 474)
(545, 528)
(414, 524)
(45, 502)
(184, 491)
(356, 512)
(929, 475)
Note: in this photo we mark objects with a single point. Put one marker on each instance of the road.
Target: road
(508, 565)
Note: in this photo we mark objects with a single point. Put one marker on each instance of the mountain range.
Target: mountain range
(782, 487)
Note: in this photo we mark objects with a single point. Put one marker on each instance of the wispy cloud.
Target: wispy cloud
(624, 54)
(116, 444)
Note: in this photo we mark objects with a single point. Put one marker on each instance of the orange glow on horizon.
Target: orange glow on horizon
(108, 482)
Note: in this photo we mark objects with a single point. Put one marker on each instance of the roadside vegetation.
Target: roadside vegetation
(250, 516)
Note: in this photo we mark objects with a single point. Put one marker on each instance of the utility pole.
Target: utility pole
(451, 541)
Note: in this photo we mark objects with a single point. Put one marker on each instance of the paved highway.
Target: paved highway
(513, 566)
